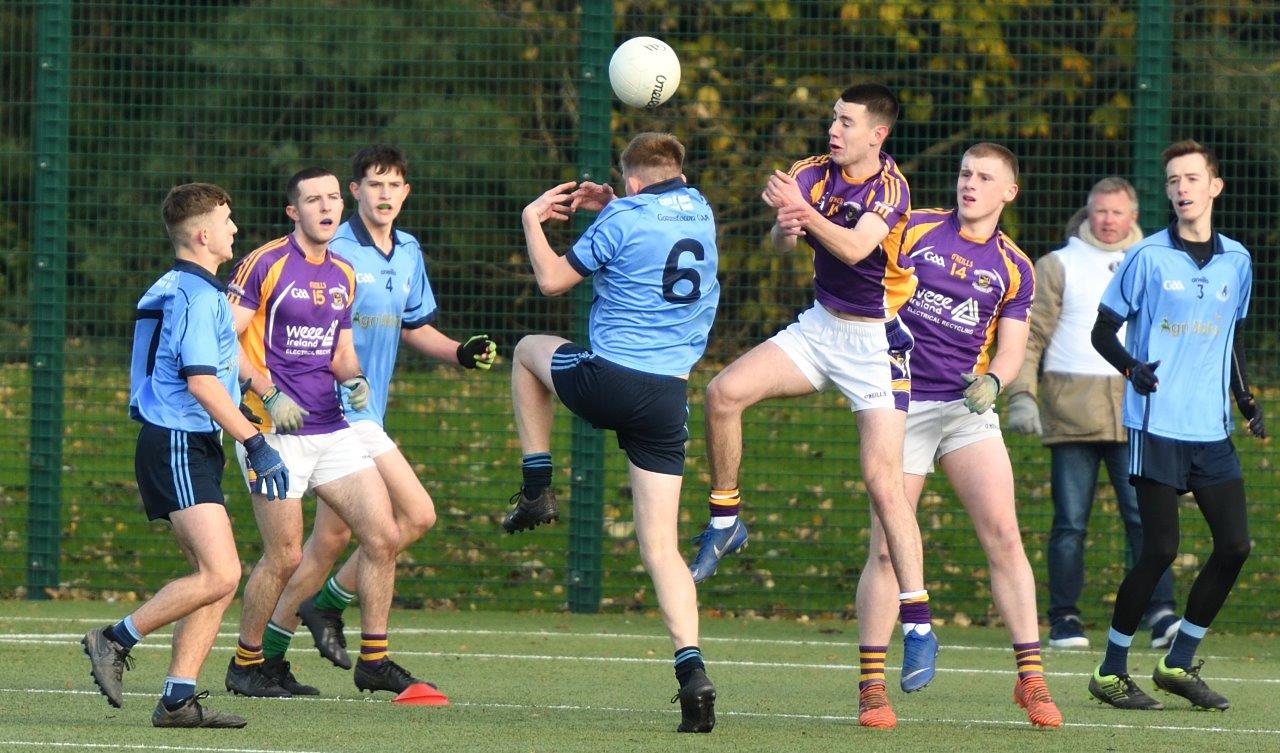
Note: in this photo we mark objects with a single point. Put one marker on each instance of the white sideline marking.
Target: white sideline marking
(625, 636)
(1021, 724)
(847, 667)
(142, 746)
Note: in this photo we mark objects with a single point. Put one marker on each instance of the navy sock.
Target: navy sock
(124, 633)
(1184, 645)
(688, 659)
(536, 468)
(176, 691)
(1116, 660)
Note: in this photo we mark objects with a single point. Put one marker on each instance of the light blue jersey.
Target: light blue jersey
(392, 293)
(1184, 316)
(182, 327)
(654, 259)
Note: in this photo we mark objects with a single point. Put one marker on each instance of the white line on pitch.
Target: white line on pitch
(643, 660)
(624, 636)
(745, 714)
(141, 746)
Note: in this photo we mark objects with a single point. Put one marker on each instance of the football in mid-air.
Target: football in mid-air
(644, 72)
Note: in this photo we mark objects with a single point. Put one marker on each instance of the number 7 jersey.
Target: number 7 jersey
(654, 260)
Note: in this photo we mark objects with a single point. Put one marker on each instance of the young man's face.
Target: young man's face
(1189, 186)
(853, 134)
(318, 208)
(984, 186)
(1111, 216)
(379, 196)
(222, 231)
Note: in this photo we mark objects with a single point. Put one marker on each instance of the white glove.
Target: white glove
(1024, 414)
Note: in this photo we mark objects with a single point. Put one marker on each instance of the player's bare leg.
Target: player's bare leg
(657, 507)
(531, 396)
(210, 548)
(361, 500)
(983, 479)
(762, 373)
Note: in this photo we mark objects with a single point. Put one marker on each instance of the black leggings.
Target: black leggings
(1223, 508)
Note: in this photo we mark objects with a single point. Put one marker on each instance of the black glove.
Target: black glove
(244, 409)
(1252, 411)
(478, 352)
(270, 476)
(1143, 377)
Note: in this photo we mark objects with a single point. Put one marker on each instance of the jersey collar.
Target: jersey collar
(363, 237)
(190, 267)
(664, 186)
(1176, 241)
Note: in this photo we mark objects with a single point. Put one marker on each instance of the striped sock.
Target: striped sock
(871, 665)
(725, 505)
(1028, 658)
(373, 649)
(536, 469)
(275, 641)
(688, 659)
(1116, 660)
(247, 655)
(913, 610)
(1184, 645)
(124, 633)
(333, 597)
(176, 691)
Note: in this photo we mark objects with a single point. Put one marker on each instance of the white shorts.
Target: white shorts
(314, 459)
(374, 437)
(868, 362)
(937, 427)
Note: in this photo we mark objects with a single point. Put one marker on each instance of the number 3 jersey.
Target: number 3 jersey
(654, 259)
(965, 286)
(392, 293)
(299, 308)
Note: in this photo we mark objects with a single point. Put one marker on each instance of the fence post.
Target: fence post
(48, 293)
(1152, 102)
(586, 488)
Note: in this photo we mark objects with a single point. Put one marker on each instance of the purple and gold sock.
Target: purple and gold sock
(913, 610)
(1028, 657)
(871, 665)
(373, 649)
(248, 655)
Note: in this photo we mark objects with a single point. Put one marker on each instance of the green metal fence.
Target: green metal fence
(109, 103)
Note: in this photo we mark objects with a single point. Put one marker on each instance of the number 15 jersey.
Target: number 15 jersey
(654, 258)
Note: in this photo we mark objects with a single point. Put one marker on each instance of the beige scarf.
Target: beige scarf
(1086, 234)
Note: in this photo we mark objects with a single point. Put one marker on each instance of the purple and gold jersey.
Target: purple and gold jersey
(880, 283)
(965, 286)
(299, 308)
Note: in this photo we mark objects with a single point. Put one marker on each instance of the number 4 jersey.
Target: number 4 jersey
(654, 260)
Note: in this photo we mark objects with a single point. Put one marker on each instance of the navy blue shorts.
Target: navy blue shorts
(649, 412)
(178, 469)
(1186, 466)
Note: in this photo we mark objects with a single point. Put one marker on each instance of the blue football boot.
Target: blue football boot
(919, 660)
(716, 543)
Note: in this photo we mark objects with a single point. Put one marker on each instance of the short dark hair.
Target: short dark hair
(383, 158)
(1190, 146)
(187, 201)
(881, 103)
(999, 151)
(307, 173)
(658, 153)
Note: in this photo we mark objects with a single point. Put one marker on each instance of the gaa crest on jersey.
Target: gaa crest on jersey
(1224, 293)
(982, 280)
(338, 297)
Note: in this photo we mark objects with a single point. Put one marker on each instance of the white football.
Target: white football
(644, 72)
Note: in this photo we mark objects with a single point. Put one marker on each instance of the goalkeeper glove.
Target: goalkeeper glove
(981, 393)
(1143, 377)
(478, 352)
(1024, 414)
(1252, 411)
(358, 397)
(286, 415)
(271, 477)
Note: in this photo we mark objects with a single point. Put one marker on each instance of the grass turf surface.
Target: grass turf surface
(560, 682)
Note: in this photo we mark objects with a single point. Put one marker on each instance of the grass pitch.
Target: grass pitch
(564, 683)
